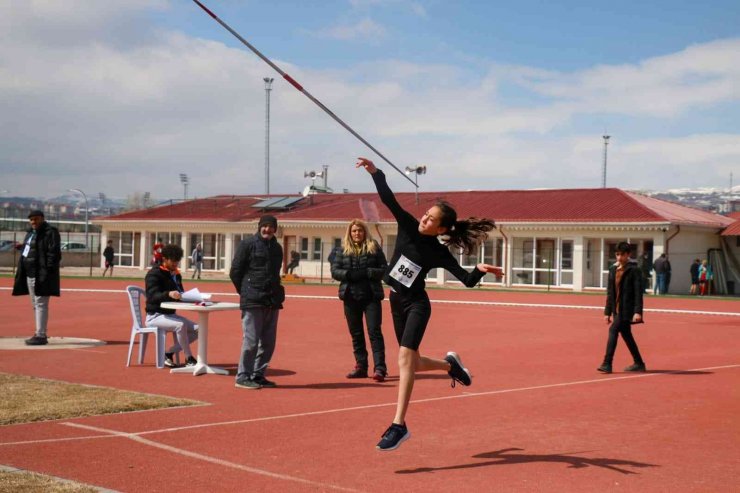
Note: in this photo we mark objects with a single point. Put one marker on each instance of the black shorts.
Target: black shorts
(410, 318)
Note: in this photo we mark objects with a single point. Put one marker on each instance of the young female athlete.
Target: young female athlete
(418, 250)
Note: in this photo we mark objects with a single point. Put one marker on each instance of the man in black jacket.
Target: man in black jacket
(38, 271)
(624, 292)
(255, 272)
(164, 283)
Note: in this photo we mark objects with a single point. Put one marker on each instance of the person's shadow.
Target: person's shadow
(504, 457)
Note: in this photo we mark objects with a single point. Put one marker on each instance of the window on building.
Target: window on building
(304, 248)
(316, 250)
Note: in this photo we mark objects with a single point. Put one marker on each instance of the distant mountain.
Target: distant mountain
(711, 199)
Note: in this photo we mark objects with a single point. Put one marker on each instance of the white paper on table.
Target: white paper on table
(195, 296)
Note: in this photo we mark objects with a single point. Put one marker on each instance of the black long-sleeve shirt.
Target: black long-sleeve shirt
(416, 254)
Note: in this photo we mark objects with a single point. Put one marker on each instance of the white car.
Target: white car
(71, 246)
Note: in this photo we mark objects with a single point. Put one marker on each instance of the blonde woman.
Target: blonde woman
(359, 266)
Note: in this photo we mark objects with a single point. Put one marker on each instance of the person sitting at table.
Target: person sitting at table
(163, 284)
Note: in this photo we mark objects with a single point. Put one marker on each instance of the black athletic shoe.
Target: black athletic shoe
(358, 372)
(169, 362)
(458, 372)
(37, 341)
(605, 368)
(636, 367)
(247, 383)
(393, 437)
(264, 382)
(191, 361)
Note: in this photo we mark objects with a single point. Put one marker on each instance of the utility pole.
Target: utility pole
(268, 88)
(603, 169)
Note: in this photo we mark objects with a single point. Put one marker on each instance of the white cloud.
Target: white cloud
(364, 30)
(79, 109)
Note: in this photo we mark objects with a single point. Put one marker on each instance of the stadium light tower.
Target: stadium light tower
(603, 168)
(268, 88)
(184, 180)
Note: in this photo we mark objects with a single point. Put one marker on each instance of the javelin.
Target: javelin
(295, 84)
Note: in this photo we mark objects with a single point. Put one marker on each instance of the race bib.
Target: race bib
(27, 249)
(405, 271)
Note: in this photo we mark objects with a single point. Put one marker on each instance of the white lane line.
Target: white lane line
(208, 458)
(454, 302)
(371, 406)
(431, 399)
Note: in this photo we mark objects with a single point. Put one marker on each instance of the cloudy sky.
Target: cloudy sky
(121, 96)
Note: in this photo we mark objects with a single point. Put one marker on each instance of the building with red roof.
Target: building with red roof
(554, 238)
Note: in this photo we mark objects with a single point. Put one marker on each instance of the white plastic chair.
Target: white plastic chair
(137, 328)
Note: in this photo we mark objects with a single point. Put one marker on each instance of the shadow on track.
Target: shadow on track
(504, 457)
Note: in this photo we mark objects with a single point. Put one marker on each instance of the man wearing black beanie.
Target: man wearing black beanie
(255, 272)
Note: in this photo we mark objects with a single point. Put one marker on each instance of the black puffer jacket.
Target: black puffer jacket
(630, 292)
(255, 273)
(159, 282)
(361, 274)
(48, 255)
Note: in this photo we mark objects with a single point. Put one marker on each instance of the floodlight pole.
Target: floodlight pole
(87, 222)
(268, 88)
(184, 180)
(603, 168)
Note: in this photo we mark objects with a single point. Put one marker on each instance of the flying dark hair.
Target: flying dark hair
(172, 252)
(466, 234)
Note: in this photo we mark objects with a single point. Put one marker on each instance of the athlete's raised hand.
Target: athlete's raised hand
(367, 164)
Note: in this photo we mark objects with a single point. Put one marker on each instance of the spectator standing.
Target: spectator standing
(255, 273)
(197, 260)
(157, 252)
(295, 259)
(624, 295)
(109, 256)
(661, 266)
(694, 271)
(705, 278)
(359, 266)
(644, 265)
(164, 283)
(38, 272)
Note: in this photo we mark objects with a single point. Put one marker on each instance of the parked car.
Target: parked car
(71, 246)
(8, 245)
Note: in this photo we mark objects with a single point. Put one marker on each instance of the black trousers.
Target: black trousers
(353, 312)
(624, 328)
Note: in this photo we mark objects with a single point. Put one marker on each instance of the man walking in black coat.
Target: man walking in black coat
(38, 272)
(624, 292)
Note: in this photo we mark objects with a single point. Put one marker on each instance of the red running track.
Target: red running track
(538, 417)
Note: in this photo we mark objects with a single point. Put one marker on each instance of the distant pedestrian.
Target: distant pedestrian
(109, 256)
(705, 278)
(295, 259)
(643, 262)
(38, 272)
(624, 304)
(694, 271)
(157, 252)
(197, 260)
(661, 266)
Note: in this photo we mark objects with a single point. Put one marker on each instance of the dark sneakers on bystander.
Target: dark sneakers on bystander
(379, 375)
(605, 368)
(247, 383)
(358, 372)
(457, 372)
(636, 367)
(264, 382)
(393, 437)
(191, 361)
(169, 360)
(37, 341)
